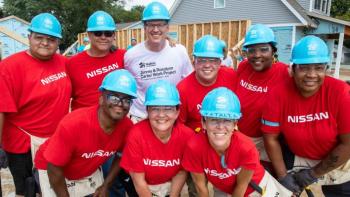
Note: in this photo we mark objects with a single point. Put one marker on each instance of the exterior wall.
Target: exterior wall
(10, 46)
(327, 27)
(262, 11)
(305, 4)
(284, 42)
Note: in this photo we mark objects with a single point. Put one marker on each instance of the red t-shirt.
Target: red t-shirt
(144, 152)
(192, 94)
(87, 73)
(310, 125)
(79, 145)
(252, 89)
(200, 157)
(34, 96)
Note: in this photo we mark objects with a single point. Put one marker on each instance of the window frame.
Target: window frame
(216, 7)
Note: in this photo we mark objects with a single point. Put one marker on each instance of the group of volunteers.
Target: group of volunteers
(147, 121)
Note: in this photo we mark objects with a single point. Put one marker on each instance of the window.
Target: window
(219, 3)
(322, 6)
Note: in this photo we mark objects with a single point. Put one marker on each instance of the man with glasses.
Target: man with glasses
(85, 139)
(34, 92)
(312, 112)
(154, 59)
(257, 76)
(87, 69)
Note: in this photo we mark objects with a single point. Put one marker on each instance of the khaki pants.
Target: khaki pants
(259, 143)
(76, 188)
(160, 190)
(335, 177)
(270, 186)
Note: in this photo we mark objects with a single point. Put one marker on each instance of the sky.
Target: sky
(130, 3)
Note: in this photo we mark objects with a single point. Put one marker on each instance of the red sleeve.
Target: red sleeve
(8, 91)
(183, 112)
(344, 111)
(271, 113)
(60, 147)
(132, 159)
(192, 157)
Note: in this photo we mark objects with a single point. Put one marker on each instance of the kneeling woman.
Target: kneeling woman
(225, 156)
(155, 146)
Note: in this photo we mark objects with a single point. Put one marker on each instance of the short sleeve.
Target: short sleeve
(271, 113)
(132, 159)
(192, 161)
(7, 91)
(344, 111)
(60, 147)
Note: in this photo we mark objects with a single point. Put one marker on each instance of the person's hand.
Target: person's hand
(290, 183)
(3, 159)
(305, 178)
(101, 191)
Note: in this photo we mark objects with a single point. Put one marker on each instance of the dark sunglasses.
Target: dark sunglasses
(106, 33)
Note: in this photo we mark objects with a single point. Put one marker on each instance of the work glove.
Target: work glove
(3, 159)
(304, 178)
(290, 183)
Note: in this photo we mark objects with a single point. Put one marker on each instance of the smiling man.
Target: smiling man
(85, 139)
(154, 59)
(34, 92)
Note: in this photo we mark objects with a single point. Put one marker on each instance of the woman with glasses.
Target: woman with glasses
(257, 76)
(155, 146)
(224, 156)
(312, 112)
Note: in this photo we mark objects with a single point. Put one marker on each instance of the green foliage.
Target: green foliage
(341, 9)
(73, 14)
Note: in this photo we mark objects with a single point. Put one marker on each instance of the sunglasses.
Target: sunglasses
(116, 100)
(106, 33)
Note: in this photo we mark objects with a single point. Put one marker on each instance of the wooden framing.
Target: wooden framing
(229, 31)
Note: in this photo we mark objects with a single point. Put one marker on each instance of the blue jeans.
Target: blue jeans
(117, 189)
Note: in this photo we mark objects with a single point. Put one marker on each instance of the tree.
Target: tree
(73, 14)
(341, 9)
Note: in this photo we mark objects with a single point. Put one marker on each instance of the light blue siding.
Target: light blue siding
(10, 46)
(259, 11)
(284, 42)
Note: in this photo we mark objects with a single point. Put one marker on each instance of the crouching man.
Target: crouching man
(69, 161)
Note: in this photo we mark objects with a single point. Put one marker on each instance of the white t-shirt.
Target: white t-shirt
(171, 64)
(227, 61)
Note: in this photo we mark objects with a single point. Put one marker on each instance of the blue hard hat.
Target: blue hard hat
(208, 46)
(155, 11)
(162, 93)
(101, 21)
(221, 103)
(310, 50)
(223, 43)
(46, 23)
(259, 34)
(121, 81)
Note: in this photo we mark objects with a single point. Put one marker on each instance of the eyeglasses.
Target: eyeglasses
(106, 33)
(165, 109)
(263, 50)
(116, 100)
(203, 61)
(305, 68)
(217, 122)
(153, 26)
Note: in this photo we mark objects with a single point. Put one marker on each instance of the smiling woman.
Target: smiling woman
(155, 147)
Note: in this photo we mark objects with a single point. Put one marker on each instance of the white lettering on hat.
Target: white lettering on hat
(253, 34)
(211, 46)
(311, 49)
(48, 23)
(124, 81)
(221, 102)
(156, 9)
(100, 20)
(160, 92)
